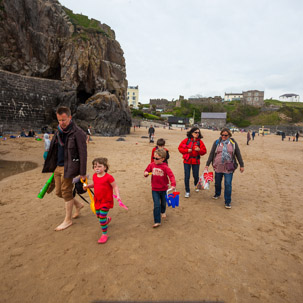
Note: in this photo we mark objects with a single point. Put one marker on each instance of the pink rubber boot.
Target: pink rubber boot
(103, 239)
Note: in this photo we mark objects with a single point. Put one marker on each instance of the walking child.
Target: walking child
(46, 145)
(160, 145)
(161, 175)
(103, 184)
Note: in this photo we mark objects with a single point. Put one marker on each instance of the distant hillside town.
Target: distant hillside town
(250, 97)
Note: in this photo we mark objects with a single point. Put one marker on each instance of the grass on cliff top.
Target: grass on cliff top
(281, 103)
(84, 22)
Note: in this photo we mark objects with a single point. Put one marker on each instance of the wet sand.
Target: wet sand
(250, 253)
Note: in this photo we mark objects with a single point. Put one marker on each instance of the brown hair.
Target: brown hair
(226, 130)
(161, 142)
(103, 161)
(161, 153)
(63, 110)
(193, 129)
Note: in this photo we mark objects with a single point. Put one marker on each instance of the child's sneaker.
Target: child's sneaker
(103, 239)
(197, 190)
(227, 206)
(186, 195)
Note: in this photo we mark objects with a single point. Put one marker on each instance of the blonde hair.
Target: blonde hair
(103, 161)
(161, 153)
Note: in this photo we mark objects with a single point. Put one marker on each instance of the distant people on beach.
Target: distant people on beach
(192, 148)
(46, 145)
(67, 158)
(248, 137)
(22, 134)
(160, 145)
(161, 174)
(297, 136)
(253, 134)
(283, 136)
(88, 134)
(224, 155)
(103, 185)
(151, 134)
(31, 133)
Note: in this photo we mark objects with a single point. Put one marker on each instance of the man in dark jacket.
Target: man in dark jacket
(67, 158)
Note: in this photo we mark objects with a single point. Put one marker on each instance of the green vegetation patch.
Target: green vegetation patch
(84, 22)
(266, 118)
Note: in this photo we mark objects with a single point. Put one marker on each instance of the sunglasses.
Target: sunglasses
(155, 158)
(196, 132)
(224, 135)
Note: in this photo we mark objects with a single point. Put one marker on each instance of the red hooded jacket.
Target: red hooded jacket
(192, 157)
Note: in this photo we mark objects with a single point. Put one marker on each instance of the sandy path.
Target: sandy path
(251, 253)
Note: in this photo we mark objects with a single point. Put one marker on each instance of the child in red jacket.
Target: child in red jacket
(160, 145)
(161, 175)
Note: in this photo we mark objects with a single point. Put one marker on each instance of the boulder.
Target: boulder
(46, 40)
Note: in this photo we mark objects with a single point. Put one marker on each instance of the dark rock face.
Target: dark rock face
(41, 39)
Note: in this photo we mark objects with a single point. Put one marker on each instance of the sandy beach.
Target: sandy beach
(250, 253)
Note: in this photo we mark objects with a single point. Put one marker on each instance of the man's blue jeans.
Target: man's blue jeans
(159, 204)
(227, 186)
(187, 168)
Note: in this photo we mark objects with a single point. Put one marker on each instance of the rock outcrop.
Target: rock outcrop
(41, 38)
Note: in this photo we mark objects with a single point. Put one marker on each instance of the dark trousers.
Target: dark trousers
(159, 204)
(187, 168)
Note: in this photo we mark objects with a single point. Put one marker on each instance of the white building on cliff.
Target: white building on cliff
(290, 98)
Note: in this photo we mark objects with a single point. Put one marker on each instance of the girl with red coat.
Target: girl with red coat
(192, 149)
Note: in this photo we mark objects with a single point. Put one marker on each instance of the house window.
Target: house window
(134, 98)
(257, 94)
(134, 93)
(256, 99)
(248, 99)
(249, 94)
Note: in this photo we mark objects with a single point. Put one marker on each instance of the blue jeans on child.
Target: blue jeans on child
(227, 186)
(159, 204)
(187, 168)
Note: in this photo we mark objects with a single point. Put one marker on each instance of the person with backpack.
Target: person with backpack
(160, 145)
(224, 155)
(192, 148)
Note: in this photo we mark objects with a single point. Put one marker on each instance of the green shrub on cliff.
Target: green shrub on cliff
(84, 22)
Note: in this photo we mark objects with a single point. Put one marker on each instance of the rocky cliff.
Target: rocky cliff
(41, 38)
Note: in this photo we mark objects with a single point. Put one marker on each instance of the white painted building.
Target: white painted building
(233, 96)
(290, 98)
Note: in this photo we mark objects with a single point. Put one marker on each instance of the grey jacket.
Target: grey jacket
(236, 153)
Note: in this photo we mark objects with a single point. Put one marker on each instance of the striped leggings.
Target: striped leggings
(102, 216)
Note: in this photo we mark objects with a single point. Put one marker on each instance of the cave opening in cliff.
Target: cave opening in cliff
(82, 94)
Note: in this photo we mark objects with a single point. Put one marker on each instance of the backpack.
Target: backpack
(78, 189)
(191, 157)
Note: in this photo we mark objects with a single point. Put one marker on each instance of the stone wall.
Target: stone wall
(219, 123)
(28, 102)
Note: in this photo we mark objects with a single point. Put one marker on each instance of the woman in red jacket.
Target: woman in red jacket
(192, 149)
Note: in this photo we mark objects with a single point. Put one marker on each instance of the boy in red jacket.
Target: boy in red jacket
(160, 175)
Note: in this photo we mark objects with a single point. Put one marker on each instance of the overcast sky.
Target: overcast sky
(205, 47)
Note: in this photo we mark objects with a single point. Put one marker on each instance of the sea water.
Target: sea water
(9, 168)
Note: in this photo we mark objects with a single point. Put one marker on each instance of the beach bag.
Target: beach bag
(78, 189)
(205, 179)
